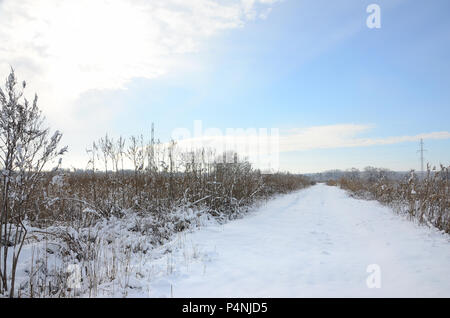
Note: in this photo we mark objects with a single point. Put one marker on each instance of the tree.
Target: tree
(25, 150)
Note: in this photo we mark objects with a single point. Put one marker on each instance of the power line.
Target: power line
(421, 150)
(151, 159)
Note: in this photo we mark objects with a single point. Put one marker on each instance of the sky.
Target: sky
(341, 94)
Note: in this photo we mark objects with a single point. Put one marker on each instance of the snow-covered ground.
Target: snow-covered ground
(317, 242)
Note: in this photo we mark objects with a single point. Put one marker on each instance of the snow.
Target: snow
(317, 242)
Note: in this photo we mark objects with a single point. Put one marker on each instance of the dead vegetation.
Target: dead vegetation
(130, 189)
(80, 213)
(423, 198)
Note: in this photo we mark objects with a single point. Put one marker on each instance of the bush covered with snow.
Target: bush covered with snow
(425, 199)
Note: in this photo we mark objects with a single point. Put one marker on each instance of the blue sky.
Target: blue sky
(307, 64)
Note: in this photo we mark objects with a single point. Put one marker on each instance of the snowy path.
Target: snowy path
(316, 242)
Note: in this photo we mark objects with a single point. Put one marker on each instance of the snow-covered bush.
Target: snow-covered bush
(26, 148)
(425, 199)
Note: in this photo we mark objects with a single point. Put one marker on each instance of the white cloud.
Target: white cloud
(343, 136)
(299, 139)
(266, 147)
(65, 48)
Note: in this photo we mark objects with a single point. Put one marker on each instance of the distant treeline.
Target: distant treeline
(367, 173)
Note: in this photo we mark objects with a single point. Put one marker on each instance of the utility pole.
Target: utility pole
(421, 150)
(152, 148)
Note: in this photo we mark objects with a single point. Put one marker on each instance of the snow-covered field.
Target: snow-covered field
(317, 242)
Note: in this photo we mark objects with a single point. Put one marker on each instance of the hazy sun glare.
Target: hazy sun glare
(70, 47)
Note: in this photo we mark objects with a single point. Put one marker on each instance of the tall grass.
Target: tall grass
(423, 198)
(104, 216)
(81, 197)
